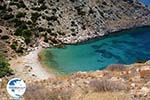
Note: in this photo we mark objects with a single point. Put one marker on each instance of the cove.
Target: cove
(124, 47)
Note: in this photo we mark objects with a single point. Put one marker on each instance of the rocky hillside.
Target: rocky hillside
(117, 82)
(28, 23)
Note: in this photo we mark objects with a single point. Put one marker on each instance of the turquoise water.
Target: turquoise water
(124, 47)
(146, 2)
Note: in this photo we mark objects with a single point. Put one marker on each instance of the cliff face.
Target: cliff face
(28, 22)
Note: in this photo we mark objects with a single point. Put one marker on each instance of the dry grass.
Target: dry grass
(106, 85)
(107, 96)
(116, 67)
(39, 92)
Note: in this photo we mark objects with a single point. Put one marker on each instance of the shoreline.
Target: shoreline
(107, 35)
(42, 59)
(38, 69)
(28, 67)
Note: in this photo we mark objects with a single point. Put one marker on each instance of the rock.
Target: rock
(133, 85)
(145, 74)
(145, 68)
(119, 79)
(145, 90)
(137, 70)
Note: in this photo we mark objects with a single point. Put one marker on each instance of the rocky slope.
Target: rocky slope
(117, 82)
(27, 23)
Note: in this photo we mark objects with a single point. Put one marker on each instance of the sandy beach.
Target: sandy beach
(28, 67)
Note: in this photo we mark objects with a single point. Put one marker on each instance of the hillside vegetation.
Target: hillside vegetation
(26, 23)
(4, 67)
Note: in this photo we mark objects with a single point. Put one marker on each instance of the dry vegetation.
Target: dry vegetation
(116, 67)
(107, 86)
(130, 84)
(104, 88)
(107, 96)
(39, 92)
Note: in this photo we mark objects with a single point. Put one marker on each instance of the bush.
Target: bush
(2, 7)
(116, 67)
(17, 22)
(107, 86)
(40, 1)
(8, 16)
(20, 14)
(14, 46)
(9, 10)
(34, 16)
(27, 34)
(39, 92)
(80, 11)
(52, 18)
(5, 37)
(21, 32)
(4, 69)
(19, 4)
(42, 7)
(60, 33)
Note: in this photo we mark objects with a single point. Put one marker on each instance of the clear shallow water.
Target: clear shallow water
(124, 47)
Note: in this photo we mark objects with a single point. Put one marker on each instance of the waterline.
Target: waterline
(124, 47)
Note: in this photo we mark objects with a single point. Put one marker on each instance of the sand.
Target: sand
(29, 67)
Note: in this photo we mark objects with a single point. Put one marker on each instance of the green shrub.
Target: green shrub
(5, 37)
(24, 33)
(51, 18)
(42, 7)
(80, 11)
(13, 46)
(9, 10)
(40, 1)
(34, 16)
(40, 29)
(17, 22)
(20, 14)
(8, 16)
(29, 22)
(21, 32)
(19, 4)
(2, 7)
(4, 69)
(61, 33)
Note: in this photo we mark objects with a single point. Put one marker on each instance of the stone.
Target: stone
(145, 90)
(133, 85)
(145, 74)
